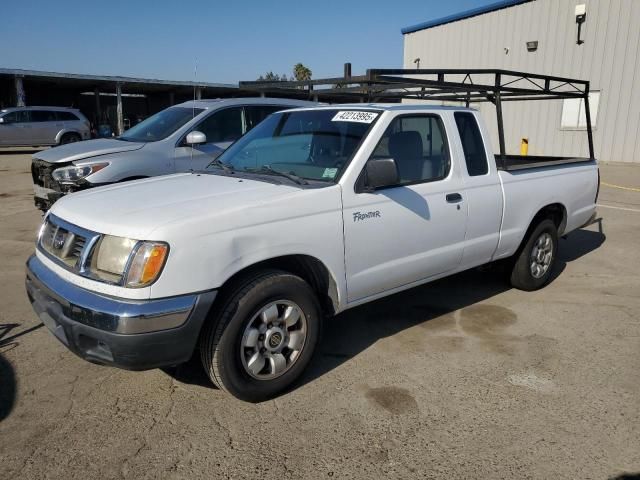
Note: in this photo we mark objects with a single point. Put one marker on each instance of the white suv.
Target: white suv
(31, 126)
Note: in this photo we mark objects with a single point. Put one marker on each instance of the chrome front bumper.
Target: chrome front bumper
(133, 334)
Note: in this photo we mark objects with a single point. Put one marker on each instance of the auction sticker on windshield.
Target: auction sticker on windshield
(354, 116)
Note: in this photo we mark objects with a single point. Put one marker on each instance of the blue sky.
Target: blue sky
(231, 40)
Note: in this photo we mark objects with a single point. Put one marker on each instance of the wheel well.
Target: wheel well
(309, 268)
(70, 132)
(556, 212)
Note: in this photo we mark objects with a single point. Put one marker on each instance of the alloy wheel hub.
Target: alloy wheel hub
(541, 255)
(273, 340)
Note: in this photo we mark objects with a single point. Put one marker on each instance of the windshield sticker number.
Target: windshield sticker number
(354, 116)
(329, 172)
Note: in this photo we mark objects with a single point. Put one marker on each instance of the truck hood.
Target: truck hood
(90, 148)
(136, 209)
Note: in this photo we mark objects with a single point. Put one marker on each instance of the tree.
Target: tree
(272, 77)
(301, 73)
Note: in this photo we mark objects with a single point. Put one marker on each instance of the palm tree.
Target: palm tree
(301, 73)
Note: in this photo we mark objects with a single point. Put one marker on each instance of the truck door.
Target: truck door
(411, 231)
(222, 128)
(483, 191)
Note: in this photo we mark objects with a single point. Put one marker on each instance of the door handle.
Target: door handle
(454, 197)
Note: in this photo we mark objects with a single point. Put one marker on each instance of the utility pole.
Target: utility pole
(21, 98)
(119, 108)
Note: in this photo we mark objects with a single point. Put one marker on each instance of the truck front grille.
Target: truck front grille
(61, 243)
(65, 243)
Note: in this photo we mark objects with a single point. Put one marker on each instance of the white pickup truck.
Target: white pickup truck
(314, 211)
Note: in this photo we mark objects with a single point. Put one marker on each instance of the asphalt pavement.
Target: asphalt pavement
(462, 378)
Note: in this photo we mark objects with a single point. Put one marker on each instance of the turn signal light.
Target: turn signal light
(147, 263)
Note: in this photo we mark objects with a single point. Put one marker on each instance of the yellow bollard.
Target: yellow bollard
(524, 147)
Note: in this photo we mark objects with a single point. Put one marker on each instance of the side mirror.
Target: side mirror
(195, 138)
(379, 173)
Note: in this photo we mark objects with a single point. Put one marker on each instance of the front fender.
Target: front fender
(206, 252)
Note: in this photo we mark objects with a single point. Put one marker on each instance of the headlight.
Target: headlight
(128, 262)
(73, 173)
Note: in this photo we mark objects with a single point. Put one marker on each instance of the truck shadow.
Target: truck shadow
(350, 333)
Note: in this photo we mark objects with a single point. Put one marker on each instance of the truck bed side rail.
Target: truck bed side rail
(520, 162)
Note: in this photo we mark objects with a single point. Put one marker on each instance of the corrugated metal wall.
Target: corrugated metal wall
(609, 58)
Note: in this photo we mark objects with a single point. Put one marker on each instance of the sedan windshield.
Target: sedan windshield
(307, 144)
(160, 125)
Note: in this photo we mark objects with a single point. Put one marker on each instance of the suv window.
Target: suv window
(472, 144)
(222, 126)
(66, 116)
(418, 145)
(161, 125)
(43, 116)
(20, 116)
(256, 113)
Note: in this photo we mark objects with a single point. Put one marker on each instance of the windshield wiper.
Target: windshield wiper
(270, 171)
(222, 165)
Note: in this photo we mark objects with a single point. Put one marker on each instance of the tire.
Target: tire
(231, 354)
(535, 260)
(69, 138)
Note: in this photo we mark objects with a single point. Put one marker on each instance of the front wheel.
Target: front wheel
(534, 262)
(263, 337)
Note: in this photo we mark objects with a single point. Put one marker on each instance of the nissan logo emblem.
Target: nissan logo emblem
(275, 340)
(58, 240)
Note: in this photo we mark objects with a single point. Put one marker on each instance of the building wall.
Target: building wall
(609, 59)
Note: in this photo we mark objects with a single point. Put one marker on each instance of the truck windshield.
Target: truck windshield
(160, 125)
(310, 144)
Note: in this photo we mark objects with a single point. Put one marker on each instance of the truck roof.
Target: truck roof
(216, 103)
(387, 106)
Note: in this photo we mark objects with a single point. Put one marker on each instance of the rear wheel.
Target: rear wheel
(534, 261)
(69, 138)
(263, 336)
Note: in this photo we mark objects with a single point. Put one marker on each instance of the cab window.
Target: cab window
(472, 144)
(418, 145)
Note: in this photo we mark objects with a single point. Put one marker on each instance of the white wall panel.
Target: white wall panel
(609, 58)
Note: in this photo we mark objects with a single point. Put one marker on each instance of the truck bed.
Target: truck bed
(522, 162)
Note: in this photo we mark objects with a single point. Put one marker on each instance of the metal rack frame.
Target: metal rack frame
(456, 85)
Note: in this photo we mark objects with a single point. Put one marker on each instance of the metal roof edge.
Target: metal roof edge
(110, 78)
(463, 15)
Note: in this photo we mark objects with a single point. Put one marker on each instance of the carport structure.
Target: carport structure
(101, 98)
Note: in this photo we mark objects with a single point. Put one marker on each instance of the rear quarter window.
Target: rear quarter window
(66, 116)
(475, 155)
